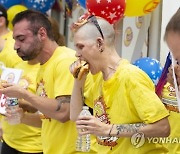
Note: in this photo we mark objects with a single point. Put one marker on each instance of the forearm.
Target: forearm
(31, 119)
(57, 109)
(49, 107)
(26, 106)
(158, 129)
(43, 104)
(125, 130)
(76, 101)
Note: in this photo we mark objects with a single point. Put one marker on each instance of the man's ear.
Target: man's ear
(42, 33)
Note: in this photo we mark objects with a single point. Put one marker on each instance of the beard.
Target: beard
(32, 52)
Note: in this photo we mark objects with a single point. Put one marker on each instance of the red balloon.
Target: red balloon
(111, 10)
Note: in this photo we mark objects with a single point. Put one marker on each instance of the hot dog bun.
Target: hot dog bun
(81, 70)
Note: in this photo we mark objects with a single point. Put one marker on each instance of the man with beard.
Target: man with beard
(34, 41)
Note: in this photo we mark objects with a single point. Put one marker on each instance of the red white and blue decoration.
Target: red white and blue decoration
(151, 66)
(111, 10)
(39, 5)
(162, 81)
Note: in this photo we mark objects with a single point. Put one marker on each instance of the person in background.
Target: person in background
(123, 97)
(169, 99)
(21, 138)
(8, 56)
(34, 41)
(172, 38)
(168, 95)
(59, 38)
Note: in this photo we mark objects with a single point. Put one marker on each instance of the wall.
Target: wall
(168, 9)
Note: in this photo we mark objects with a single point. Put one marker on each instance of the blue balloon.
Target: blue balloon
(151, 66)
(39, 5)
(8, 3)
(82, 3)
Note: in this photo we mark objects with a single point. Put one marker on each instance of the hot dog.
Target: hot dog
(81, 70)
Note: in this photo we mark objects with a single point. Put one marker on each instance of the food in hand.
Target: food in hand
(81, 70)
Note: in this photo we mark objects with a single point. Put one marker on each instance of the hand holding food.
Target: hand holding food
(79, 68)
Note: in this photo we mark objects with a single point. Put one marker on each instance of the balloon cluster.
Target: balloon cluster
(113, 10)
(151, 66)
(39, 5)
(15, 6)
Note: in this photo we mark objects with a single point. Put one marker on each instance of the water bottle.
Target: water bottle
(13, 105)
(83, 142)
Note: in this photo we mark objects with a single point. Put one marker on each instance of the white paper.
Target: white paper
(11, 75)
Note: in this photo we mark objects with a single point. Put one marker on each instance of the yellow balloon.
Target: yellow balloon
(140, 7)
(12, 11)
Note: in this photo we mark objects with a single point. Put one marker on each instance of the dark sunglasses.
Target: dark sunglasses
(93, 19)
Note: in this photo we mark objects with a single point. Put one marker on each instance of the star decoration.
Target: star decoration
(119, 6)
(151, 63)
(112, 15)
(111, 10)
(37, 1)
(102, 12)
(153, 72)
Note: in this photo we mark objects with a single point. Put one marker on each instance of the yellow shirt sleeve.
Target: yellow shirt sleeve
(142, 93)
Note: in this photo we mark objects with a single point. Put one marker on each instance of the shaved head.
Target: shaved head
(90, 32)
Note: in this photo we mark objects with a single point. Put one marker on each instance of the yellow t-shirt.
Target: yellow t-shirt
(173, 140)
(8, 55)
(128, 97)
(22, 137)
(55, 79)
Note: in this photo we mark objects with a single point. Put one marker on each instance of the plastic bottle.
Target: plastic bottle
(83, 142)
(13, 105)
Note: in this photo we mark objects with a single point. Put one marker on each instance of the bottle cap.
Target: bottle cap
(85, 108)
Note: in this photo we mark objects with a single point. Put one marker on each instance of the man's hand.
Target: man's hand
(12, 90)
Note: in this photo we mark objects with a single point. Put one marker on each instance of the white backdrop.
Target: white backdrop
(168, 9)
